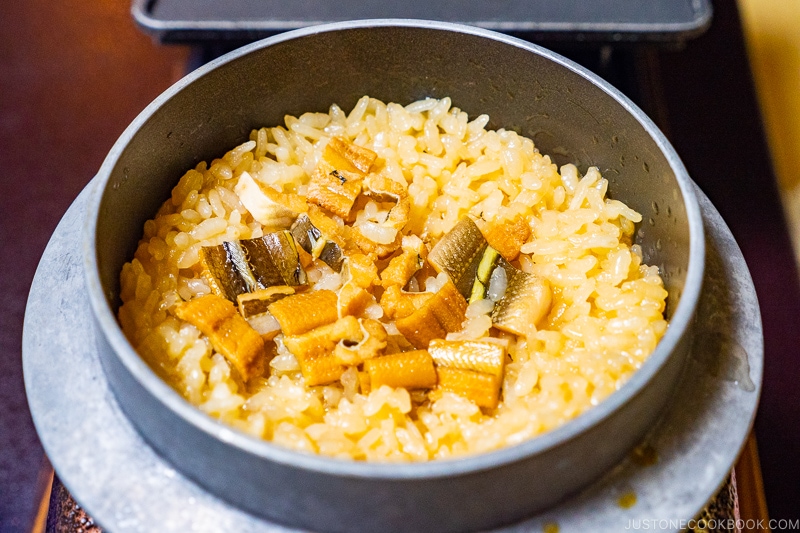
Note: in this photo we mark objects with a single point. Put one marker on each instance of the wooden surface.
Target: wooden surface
(73, 74)
(67, 516)
(773, 44)
(750, 485)
(714, 123)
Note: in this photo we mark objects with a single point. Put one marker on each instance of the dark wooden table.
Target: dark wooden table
(74, 74)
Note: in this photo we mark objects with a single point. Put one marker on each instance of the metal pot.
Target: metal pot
(569, 112)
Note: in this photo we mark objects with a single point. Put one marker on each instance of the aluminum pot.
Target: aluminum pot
(569, 112)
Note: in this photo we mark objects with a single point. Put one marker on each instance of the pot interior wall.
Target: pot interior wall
(567, 116)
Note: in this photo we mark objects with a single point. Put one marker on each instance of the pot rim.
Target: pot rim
(439, 468)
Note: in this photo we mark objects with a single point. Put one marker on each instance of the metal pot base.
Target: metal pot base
(126, 486)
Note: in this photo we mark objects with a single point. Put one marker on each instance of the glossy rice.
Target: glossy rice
(606, 315)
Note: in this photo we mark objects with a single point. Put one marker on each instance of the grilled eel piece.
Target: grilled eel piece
(228, 331)
(458, 253)
(439, 315)
(410, 370)
(473, 369)
(237, 267)
(337, 180)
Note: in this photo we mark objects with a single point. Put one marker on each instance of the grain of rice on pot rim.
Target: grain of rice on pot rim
(396, 283)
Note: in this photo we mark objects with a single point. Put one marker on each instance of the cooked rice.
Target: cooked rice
(606, 318)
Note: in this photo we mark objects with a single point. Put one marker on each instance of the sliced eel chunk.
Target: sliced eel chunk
(478, 387)
(353, 300)
(401, 268)
(311, 240)
(222, 267)
(507, 236)
(257, 302)
(314, 349)
(524, 305)
(458, 253)
(397, 303)
(274, 260)
(439, 315)
(335, 190)
(348, 156)
(354, 296)
(229, 333)
(349, 239)
(303, 312)
(329, 228)
(337, 180)
(410, 370)
(362, 347)
(470, 368)
(320, 369)
(238, 267)
(475, 355)
(384, 237)
(386, 189)
(361, 270)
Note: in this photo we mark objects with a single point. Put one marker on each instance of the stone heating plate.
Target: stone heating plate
(126, 486)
